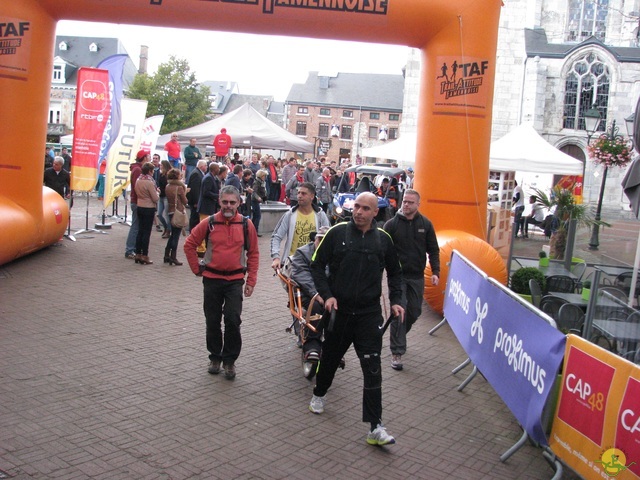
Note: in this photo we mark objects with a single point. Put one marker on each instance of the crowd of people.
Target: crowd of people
(342, 265)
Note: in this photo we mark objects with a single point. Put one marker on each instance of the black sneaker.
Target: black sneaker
(214, 367)
(229, 371)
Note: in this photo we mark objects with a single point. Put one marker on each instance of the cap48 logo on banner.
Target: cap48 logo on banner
(515, 348)
(93, 106)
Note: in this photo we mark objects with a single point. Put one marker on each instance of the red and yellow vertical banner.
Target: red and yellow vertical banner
(93, 106)
(596, 430)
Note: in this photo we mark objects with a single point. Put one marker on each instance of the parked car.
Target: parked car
(367, 177)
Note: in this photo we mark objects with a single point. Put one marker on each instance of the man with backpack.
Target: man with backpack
(231, 253)
(356, 253)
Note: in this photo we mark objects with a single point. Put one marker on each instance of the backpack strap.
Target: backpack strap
(245, 230)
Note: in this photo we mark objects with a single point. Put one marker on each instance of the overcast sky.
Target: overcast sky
(262, 65)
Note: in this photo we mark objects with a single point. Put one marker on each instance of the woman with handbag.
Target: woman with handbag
(177, 200)
(147, 200)
(258, 197)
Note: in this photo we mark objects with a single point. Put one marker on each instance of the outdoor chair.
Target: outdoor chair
(623, 282)
(551, 304)
(536, 292)
(570, 319)
(615, 292)
(578, 270)
(560, 283)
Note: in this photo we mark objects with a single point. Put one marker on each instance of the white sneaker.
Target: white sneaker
(317, 404)
(379, 436)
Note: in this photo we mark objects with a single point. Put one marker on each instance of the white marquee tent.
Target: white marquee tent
(247, 128)
(524, 150)
(521, 150)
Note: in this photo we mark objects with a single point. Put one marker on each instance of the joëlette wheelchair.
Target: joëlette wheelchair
(303, 322)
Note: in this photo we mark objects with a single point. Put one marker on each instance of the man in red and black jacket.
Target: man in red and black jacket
(231, 253)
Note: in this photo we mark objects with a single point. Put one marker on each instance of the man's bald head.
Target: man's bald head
(365, 208)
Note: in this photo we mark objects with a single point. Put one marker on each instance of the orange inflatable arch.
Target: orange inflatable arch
(458, 42)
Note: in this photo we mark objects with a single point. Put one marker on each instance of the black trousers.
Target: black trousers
(145, 222)
(364, 331)
(223, 299)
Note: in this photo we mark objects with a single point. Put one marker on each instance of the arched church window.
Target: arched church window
(586, 86)
(587, 18)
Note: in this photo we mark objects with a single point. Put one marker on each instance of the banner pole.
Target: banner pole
(68, 234)
(86, 216)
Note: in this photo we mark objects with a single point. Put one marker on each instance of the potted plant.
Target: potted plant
(544, 260)
(586, 289)
(520, 281)
(564, 207)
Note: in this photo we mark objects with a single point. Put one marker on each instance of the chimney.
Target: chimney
(144, 57)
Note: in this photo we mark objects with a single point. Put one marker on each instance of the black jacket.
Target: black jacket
(195, 181)
(209, 190)
(356, 262)
(414, 239)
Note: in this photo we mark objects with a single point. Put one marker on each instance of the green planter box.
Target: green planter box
(586, 293)
(544, 262)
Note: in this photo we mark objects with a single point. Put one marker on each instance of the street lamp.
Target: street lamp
(591, 122)
(629, 123)
(594, 242)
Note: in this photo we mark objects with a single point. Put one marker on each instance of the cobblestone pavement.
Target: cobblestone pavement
(103, 375)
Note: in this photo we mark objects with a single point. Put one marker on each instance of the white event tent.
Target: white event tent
(247, 128)
(520, 150)
(524, 150)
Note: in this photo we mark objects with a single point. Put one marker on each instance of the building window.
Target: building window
(393, 133)
(586, 86)
(347, 113)
(93, 47)
(373, 132)
(587, 18)
(345, 132)
(394, 117)
(57, 73)
(323, 130)
(301, 128)
(55, 112)
(374, 116)
(325, 112)
(62, 46)
(303, 110)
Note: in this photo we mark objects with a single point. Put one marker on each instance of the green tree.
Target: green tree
(173, 92)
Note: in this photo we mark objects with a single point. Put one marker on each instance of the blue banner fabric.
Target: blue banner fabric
(515, 348)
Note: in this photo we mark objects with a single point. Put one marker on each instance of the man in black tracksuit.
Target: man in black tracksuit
(415, 238)
(356, 252)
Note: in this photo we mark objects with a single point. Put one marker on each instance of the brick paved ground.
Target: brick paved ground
(103, 375)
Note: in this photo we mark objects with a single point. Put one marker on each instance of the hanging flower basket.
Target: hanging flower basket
(610, 152)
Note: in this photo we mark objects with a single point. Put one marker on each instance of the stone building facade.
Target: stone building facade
(558, 58)
(555, 60)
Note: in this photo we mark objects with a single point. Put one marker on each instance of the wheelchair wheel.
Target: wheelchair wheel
(309, 367)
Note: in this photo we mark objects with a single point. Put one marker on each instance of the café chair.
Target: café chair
(551, 304)
(578, 270)
(536, 292)
(615, 292)
(570, 319)
(560, 283)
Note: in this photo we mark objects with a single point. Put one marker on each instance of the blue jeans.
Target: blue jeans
(190, 168)
(162, 204)
(130, 247)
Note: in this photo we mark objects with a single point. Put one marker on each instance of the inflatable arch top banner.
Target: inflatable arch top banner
(458, 42)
